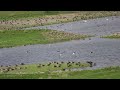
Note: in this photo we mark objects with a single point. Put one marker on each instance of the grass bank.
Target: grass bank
(58, 70)
(23, 19)
(41, 69)
(12, 15)
(11, 38)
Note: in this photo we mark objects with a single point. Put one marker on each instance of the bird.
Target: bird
(73, 53)
(27, 51)
(85, 20)
(62, 62)
(107, 19)
(91, 52)
(91, 63)
(60, 54)
(94, 64)
(89, 38)
(22, 64)
(58, 51)
(63, 69)
(55, 66)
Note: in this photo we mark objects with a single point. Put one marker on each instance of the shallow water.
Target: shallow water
(99, 26)
(104, 52)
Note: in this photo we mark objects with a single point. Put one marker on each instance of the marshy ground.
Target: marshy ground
(20, 31)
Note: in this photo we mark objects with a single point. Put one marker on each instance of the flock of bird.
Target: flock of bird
(8, 68)
(68, 64)
(55, 64)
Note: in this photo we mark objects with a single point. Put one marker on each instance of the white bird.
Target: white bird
(73, 53)
(60, 54)
(106, 19)
(85, 20)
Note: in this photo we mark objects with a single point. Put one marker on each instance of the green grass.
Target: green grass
(105, 73)
(11, 38)
(50, 72)
(113, 36)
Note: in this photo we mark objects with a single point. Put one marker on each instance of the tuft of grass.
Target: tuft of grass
(113, 36)
(11, 38)
(105, 73)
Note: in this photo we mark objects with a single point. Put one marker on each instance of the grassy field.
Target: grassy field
(23, 19)
(112, 36)
(58, 70)
(11, 38)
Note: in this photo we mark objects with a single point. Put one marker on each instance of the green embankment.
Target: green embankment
(11, 38)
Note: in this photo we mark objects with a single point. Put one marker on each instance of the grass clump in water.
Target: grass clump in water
(113, 36)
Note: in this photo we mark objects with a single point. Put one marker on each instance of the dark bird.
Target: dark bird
(22, 64)
(89, 38)
(91, 63)
(63, 69)
(55, 66)
(91, 52)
